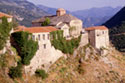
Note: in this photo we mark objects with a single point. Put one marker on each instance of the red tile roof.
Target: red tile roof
(36, 29)
(96, 28)
(6, 15)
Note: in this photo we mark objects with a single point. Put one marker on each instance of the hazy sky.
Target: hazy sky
(73, 5)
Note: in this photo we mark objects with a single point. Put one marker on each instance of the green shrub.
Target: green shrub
(59, 42)
(62, 70)
(46, 22)
(3, 62)
(117, 37)
(16, 72)
(41, 73)
(5, 29)
(25, 46)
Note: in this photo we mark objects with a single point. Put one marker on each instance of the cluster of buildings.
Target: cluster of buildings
(72, 27)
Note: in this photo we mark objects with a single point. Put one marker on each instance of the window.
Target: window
(103, 32)
(38, 47)
(33, 37)
(38, 37)
(43, 36)
(44, 45)
(48, 36)
(98, 34)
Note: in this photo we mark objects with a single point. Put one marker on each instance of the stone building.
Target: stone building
(9, 17)
(98, 36)
(71, 25)
(46, 54)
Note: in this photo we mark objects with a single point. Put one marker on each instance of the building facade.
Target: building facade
(62, 21)
(46, 54)
(9, 17)
(98, 36)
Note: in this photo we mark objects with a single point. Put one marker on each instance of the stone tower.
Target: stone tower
(60, 12)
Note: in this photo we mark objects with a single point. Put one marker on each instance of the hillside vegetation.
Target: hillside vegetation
(117, 36)
(22, 10)
(87, 66)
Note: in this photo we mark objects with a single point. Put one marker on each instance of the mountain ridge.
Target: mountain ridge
(96, 16)
(117, 19)
(23, 10)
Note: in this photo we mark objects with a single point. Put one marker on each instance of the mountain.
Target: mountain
(49, 10)
(117, 19)
(116, 27)
(22, 10)
(96, 16)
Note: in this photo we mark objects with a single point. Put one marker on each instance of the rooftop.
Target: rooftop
(96, 28)
(66, 18)
(6, 15)
(60, 9)
(36, 29)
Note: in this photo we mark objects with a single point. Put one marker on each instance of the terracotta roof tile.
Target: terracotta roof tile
(6, 15)
(36, 29)
(96, 28)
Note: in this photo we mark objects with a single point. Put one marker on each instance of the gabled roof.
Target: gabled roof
(36, 29)
(6, 15)
(96, 28)
(66, 18)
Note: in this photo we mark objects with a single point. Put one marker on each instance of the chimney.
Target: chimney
(60, 12)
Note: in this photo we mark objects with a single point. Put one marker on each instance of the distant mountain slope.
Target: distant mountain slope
(96, 16)
(116, 27)
(22, 10)
(47, 9)
(117, 19)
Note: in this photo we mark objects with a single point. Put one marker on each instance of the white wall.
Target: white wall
(44, 56)
(78, 25)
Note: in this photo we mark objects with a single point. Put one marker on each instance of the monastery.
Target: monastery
(46, 55)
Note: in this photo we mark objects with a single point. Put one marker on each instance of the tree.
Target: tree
(46, 22)
(41, 73)
(16, 72)
(26, 47)
(5, 29)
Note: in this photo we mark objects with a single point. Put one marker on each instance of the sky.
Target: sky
(74, 5)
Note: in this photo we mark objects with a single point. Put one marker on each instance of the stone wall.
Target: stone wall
(91, 38)
(84, 39)
(98, 38)
(65, 29)
(78, 27)
(45, 56)
(102, 38)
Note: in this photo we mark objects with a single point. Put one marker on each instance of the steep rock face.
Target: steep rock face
(22, 10)
(43, 59)
(89, 67)
(117, 19)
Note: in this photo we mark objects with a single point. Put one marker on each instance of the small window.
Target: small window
(43, 36)
(38, 37)
(103, 32)
(48, 36)
(33, 37)
(38, 47)
(44, 46)
(97, 34)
